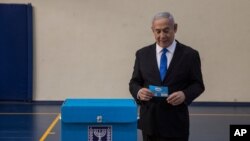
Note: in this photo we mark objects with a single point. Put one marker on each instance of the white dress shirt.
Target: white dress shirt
(169, 53)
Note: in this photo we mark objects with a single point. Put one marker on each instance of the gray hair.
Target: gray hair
(166, 15)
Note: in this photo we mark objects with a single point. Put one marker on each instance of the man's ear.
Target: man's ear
(175, 27)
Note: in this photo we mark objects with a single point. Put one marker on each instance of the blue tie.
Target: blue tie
(163, 64)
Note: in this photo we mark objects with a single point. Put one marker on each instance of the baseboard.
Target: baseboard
(208, 103)
(33, 102)
(39, 102)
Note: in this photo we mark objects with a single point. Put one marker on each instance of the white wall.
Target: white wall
(86, 48)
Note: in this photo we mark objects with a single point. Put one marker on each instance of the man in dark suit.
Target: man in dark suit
(170, 65)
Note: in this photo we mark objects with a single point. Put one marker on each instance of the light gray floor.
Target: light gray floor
(212, 123)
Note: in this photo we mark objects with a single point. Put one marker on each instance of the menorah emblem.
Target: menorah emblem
(100, 133)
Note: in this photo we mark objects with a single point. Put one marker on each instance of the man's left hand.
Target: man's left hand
(176, 98)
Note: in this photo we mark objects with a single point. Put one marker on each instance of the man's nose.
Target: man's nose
(163, 35)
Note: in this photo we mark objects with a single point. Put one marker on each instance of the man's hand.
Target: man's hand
(145, 94)
(176, 98)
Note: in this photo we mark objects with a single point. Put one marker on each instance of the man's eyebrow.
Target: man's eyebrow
(165, 28)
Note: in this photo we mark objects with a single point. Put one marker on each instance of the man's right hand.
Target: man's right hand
(144, 94)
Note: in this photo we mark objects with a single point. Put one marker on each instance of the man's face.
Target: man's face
(164, 31)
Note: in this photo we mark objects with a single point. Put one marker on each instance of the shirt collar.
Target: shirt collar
(170, 48)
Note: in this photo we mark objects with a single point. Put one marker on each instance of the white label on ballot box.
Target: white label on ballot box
(159, 91)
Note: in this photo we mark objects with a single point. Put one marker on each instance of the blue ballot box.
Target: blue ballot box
(99, 120)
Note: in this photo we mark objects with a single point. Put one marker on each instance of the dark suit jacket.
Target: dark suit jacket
(157, 117)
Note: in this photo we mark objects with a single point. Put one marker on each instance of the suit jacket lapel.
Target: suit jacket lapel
(177, 54)
(154, 63)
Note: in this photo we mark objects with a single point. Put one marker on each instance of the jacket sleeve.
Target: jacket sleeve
(196, 86)
(136, 82)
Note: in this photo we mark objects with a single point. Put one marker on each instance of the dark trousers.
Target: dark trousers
(156, 138)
